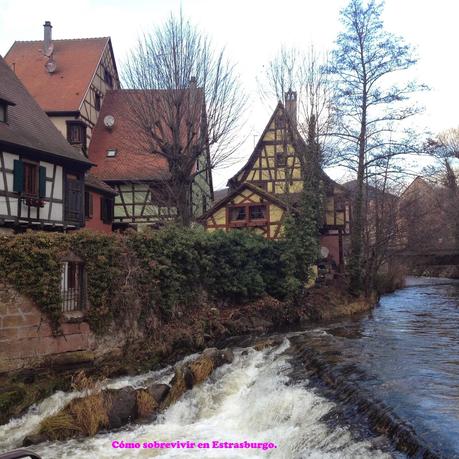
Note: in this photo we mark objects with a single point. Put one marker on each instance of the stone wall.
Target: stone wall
(26, 338)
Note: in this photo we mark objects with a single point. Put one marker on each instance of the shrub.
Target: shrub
(145, 275)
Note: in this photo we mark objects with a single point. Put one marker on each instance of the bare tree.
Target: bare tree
(445, 151)
(370, 105)
(188, 102)
(305, 73)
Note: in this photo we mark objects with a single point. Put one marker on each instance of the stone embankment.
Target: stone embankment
(190, 331)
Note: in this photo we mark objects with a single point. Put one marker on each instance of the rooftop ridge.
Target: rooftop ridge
(63, 39)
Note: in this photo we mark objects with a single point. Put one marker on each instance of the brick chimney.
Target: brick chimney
(290, 105)
(47, 39)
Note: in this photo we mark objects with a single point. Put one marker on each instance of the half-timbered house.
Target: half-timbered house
(124, 160)
(41, 174)
(271, 181)
(68, 79)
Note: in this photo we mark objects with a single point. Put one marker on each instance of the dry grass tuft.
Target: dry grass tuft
(90, 413)
(146, 404)
(178, 388)
(59, 427)
(201, 369)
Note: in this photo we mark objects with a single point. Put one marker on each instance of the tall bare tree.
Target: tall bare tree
(303, 72)
(188, 102)
(371, 101)
(445, 151)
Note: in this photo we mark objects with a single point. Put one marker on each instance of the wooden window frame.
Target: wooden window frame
(83, 135)
(248, 221)
(27, 192)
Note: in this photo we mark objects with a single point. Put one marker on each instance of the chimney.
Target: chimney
(193, 82)
(290, 105)
(47, 39)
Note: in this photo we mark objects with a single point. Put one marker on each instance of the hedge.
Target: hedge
(145, 273)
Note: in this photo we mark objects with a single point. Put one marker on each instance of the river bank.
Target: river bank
(207, 326)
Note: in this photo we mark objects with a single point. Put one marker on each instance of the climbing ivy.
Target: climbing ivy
(138, 274)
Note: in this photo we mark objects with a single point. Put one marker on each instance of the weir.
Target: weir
(354, 388)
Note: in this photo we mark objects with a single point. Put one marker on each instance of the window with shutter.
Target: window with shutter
(30, 179)
(106, 210)
(88, 204)
(42, 182)
(73, 200)
(18, 176)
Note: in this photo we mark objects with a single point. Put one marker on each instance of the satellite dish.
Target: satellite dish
(50, 65)
(109, 121)
(324, 252)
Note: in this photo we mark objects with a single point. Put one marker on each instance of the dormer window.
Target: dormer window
(111, 153)
(3, 112)
(76, 134)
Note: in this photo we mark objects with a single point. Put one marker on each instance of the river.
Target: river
(404, 353)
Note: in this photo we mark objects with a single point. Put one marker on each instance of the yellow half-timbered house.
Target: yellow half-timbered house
(270, 183)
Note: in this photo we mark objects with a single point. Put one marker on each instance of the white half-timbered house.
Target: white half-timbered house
(41, 175)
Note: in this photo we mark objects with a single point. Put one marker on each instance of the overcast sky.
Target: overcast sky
(252, 31)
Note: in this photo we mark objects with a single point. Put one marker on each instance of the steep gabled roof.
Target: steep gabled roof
(27, 125)
(65, 89)
(245, 185)
(256, 151)
(419, 184)
(133, 160)
(297, 138)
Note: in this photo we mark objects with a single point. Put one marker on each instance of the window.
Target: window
(108, 78)
(97, 101)
(3, 112)
(72, 286)
(257, 212)
(238, 214)
(111, 153)
(88, 204)
(281, 159)
(76, 133)
(106, 210)
(73, 199)
(247, 214)
(30, 179)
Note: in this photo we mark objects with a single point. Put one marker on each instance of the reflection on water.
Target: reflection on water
(408, 349)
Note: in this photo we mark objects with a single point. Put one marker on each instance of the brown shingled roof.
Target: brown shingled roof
(27, 125)
(132, 162)
(64, 89)
(93, 182)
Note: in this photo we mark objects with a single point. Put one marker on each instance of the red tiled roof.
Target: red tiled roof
(132, 161)
(64, 89)
(28, 126)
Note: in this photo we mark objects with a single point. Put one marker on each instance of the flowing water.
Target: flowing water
(405, 353)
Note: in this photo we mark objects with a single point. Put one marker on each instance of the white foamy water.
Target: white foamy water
(249, 400)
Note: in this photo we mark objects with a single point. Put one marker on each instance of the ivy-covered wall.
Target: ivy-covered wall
(144, 278)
